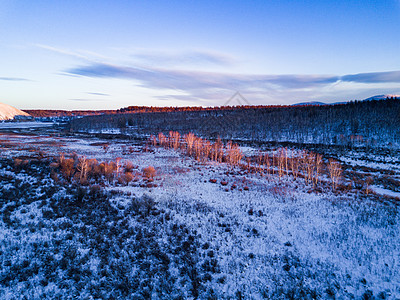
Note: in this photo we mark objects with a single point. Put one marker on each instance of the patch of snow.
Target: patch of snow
(20, 125)
(374, 165)
(385, 192)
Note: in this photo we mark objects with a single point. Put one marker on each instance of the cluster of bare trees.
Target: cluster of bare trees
(296, 163)
(281, 162)
(199, 148)
(85, 171)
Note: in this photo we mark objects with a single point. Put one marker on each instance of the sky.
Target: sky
(110, 54)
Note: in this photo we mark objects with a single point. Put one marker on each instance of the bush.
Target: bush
(125, 178)
(129, 166)
(149, 172)
(67, 168)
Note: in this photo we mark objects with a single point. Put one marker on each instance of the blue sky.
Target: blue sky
(112, 54)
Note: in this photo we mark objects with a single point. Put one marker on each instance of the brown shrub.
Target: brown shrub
(129, 166)
(125, 178)
(17, 162)
(149, 172)
(54, 165)
(95, 189)
(109, 169)
(106, 147)
(96, 171)
(54, 176)
(67, 168)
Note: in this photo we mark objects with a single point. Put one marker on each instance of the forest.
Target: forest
(368, 124)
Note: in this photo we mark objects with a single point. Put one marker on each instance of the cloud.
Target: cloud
(82, 54)
(184, 58)
(179, 71)
(376, 77)
(207, 88)
(97, 94)
(13, 79)
(193, 80)
(85, 100)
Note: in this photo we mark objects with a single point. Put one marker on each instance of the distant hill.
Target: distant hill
(381, 97)
(8, 112)
(48, 113)
(377, 97)
(309, 103)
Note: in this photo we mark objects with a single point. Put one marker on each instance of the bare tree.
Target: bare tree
(281, 162)
(267, 163)
(162, 139)
(310, 164)
(304, 164)
(118, 165)
(368, 182)
(318, 165)
(153, 140)
(174, 139)
(189, 139)
(260, 163)
(206, 149)
(335, 172)
(83, 168)
(294, 164)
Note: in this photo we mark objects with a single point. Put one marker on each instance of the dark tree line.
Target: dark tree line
(356, 123)
(48, 113)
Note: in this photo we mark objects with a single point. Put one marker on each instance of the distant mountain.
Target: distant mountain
(377, 97)
(309, 103)
(8, 112)
(316, 103)
(381, 97)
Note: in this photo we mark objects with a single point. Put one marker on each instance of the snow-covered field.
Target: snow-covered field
(245, 236)
(26, 125)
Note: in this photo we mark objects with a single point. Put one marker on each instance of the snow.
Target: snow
(274, 238)
(382, 97)
(25, 125)
(8, 112)
(385, 192)
(371, 164)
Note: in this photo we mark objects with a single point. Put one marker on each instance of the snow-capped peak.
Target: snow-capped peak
(8, 112)
(381, 97)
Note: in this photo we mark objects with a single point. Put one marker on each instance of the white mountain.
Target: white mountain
(381, 97)
(8, 112)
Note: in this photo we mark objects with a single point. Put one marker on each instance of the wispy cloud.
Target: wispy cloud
(375, 77)
(13, 79)
(192, 80)
(209, 87)
(79, 54)
(183, 58)
(97, 94)
(151, 57)
(85, 100)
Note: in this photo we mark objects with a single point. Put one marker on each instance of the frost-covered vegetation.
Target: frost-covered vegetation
(182, 217)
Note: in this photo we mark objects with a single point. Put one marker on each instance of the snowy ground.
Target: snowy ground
(26, 125)
(186, 237)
